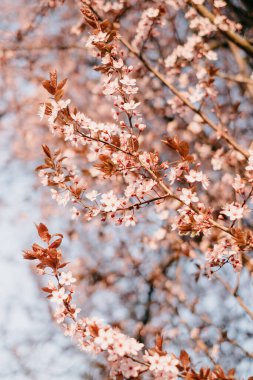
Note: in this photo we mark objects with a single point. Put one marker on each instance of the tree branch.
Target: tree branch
(232, 36)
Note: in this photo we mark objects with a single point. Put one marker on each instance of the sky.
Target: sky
(31, 345)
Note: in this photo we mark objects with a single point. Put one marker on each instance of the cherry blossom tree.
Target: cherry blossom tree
(148, 155)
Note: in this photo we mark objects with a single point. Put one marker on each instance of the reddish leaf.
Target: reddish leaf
(58, 94)
(183, 148)
(47, 151)
(159, 342)
(62, 84)
(43, 232)
(63, 265)
(28, 255)
(93, 330)
(36, 247)
(56, 243)
(53, 78)
(90, 17)
(47, 85)
(185, 359)
(172, 143)
(47, 290)
(41, 167)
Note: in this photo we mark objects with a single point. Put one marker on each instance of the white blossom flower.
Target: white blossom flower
(75, 213)
(58, 296)
(67, 278)
(104, 339)
(130, 220)
(128, 81)
(129, 368)
(41, 111)
(92, 195)
(59, 314)
(233, 211)
(188, 196)
(110, 202)
(238, 184)
(130, 105)
(70, 330)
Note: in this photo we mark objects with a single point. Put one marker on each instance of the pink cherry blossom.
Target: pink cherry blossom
(234, 211)
(187, 196)
(110, 202)
(67, 278)
(104, 339)
(58, 296)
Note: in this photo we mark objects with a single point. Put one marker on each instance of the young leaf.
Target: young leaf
(43, 232)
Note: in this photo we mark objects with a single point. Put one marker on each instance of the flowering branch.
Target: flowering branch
(232, 36)
(125, 355)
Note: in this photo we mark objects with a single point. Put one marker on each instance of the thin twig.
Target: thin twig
(232, 36)
(229, 139)
(235, 295)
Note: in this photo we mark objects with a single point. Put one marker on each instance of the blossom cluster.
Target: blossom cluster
(124, 354)
(117, 149)
(162, 155)
(148, 18)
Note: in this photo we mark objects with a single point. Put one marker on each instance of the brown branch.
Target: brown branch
(235, 78)
(105, 143)
(172, 195)
(139, 204)
(167, 191)
(17, 48)
(235, 295)
(229, 139)
(242, 66)
(232, 36)
(224, 335)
